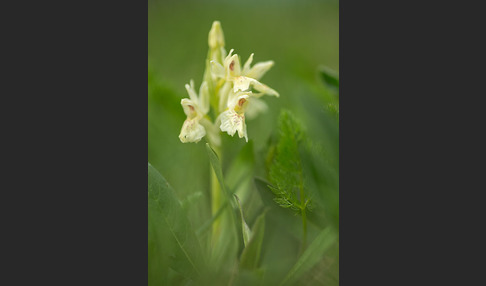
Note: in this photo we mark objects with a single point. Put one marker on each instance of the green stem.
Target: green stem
(304, 221)
(216, 202)
(304, 224)
(215, 142)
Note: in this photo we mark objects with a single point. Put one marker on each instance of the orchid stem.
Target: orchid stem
(216, 198)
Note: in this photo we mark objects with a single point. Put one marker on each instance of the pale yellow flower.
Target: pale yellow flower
(245, 78)
(195, 107)
(233, 119)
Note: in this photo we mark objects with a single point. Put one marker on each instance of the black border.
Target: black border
(76, 187)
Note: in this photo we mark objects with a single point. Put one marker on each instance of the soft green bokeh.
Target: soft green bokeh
(300, 37)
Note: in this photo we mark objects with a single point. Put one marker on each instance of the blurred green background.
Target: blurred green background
(300, 36)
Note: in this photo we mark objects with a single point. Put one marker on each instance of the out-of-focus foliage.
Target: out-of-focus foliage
(171, 235)
(311, 256)
(301, 37)
(329, 77)
(286, 168)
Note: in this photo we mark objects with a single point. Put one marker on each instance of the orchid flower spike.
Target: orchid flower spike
(195, 107)
(235, 93)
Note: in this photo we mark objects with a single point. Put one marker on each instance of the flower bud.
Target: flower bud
(216, 37)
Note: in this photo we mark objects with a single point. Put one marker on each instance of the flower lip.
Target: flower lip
(232, 122)
(191, 131)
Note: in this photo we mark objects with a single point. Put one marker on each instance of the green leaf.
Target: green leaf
(191, 199)
(263, 189)
(312, 255)
(286, 170)
(158, 261)
(171, 235)
(215, 163)
(329, 77)
(252, 252)
(244, 226)
(275, 212)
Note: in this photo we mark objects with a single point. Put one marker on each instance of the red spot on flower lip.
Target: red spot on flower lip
(191, 107)
(232, 65)
(241, 101)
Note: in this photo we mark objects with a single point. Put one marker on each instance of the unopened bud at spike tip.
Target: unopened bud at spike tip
(216, 36)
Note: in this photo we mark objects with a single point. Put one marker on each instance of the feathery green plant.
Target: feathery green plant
(286, 171)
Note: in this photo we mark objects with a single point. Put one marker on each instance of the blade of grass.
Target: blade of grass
(245, 229)
(312, 255)
(252, 252)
